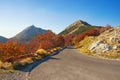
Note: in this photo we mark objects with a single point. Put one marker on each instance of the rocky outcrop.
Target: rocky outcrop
(108, 41)
(115, 39)
(100, 46)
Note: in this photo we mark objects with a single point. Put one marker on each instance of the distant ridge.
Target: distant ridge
(28, 33)
(3, 39)
(77, 27)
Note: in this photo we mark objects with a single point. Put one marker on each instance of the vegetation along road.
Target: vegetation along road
(69, 64)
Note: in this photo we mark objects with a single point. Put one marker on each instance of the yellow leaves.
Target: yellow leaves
(84, 44)
(1, 63)
(6, 65)
(41, 52)
(11, 49)
(28, 60)
(75, 41)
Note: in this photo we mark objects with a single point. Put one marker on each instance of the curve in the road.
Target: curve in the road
(70, 64)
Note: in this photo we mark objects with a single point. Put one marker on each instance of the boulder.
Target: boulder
(95, 44)
(100, 46)
(115, 47)
(115, 39)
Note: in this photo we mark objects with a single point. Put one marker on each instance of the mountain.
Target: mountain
(77, 27)
(3, 39)
(28, 33)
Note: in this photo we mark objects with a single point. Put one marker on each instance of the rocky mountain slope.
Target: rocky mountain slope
(77, 27)
(108, 43)
(28, 33)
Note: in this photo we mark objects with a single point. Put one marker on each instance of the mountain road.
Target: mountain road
(70, 64)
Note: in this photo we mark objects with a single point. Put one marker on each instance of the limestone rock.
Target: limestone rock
(115, 39)
(100, 46)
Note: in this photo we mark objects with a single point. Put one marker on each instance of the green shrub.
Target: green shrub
(19, 65)
(34, 59)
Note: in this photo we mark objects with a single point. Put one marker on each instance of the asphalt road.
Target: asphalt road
(70, 64)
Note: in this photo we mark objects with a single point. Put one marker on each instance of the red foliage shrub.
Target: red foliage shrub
(105, 28)
(46, 41)
(10, 50)
(69, 39)
(92, 32)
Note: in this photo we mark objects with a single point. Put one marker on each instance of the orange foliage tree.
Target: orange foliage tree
(105, 28)
(11, 49)
(69, 39)
(58, 41)
(91, 32)
(46, 41)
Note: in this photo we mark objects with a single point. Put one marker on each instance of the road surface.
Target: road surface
(70, 64)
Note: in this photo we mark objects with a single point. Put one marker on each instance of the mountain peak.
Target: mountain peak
(77, 24)
(76, 27)
(80, 22)
(31, 27)
(28, 33)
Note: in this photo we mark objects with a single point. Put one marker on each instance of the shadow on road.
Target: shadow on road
(30, 67)
(70, 47)
(55, 58)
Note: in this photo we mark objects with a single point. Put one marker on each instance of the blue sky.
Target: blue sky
(16, 15)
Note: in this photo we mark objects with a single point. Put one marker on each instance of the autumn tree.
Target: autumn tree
(11, 49)
(46, 41)
(105, 28)
(69, 39)
(58, 41)
(93, 32)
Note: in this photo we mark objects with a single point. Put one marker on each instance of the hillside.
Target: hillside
(3, 39)
(28, 33)
(110, 40)
(77, 27)
(107, 44)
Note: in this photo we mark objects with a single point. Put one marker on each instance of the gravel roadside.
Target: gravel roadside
(18, 75)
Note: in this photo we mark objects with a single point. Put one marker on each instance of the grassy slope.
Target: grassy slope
(77, 29)
(84, 45)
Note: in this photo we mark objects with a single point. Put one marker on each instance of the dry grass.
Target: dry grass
(7, 71)
(28, 60)
(84, 48)
(84, 45)
(109, 54)
(6, 66)
(1, 63)
(41, 52)
(54, 50)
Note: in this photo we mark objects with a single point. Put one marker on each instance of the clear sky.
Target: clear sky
(16, 15)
